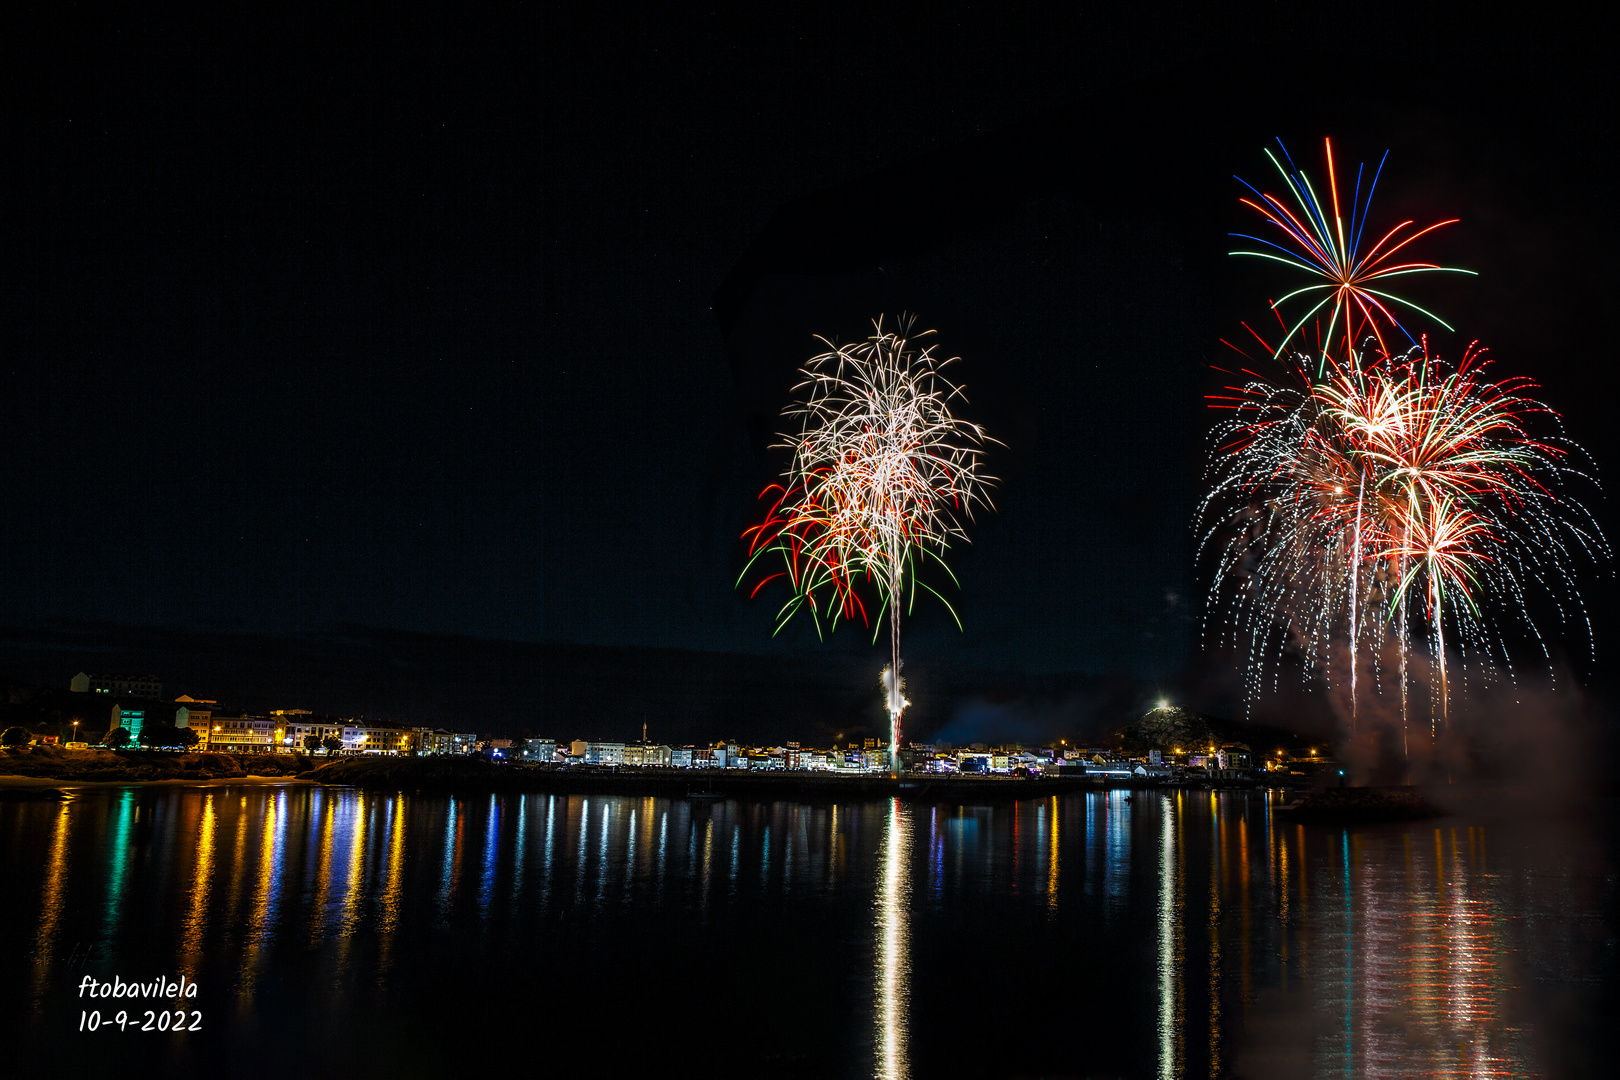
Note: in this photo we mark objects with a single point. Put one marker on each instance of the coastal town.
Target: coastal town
(139, 715)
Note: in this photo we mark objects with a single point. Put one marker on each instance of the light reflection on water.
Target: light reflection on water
(1260, 947)
(893, 960)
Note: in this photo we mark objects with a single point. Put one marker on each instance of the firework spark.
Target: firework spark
(1338, 499)
(883, 475)
(1353, 281)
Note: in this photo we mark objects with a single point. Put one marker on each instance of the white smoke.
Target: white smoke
(894, 691)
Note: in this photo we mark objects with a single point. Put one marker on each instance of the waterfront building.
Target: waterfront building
(195, 713)
(681, 757)
(299, 724)
(604, 753)
(136, 686)
(242, 733)
(539, 749)
(444, 741)
(647, 754)
(798, 758)
(129, 717)
(377, 738)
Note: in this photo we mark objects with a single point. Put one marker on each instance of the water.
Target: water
(340, 932)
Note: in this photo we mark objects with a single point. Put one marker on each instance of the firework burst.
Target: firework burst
(883, 476)
(1352, 279)
(1365, 496)
(1391, 495)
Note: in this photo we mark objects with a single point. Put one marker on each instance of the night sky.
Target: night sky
(480, 324)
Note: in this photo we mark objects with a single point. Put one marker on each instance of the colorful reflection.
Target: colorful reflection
(1389, 951)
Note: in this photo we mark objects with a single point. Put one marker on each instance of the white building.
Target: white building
(377, 738)
(539, 749)
(299, 728)
(604, 753)
(241, 733)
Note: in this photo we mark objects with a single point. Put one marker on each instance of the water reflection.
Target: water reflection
(893, 958)
(50, 903)
(1170, 996)
(1370, 952)
(196, 923)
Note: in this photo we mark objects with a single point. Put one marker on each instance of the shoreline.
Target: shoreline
(36, 784)
(454, 775)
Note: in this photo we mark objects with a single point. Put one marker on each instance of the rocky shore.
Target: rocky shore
(1361, 805)
(136, 766)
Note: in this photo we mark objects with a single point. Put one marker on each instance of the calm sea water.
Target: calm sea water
(1189, 934)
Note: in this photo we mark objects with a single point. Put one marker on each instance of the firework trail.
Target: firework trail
(1351, 290)
(883, 475)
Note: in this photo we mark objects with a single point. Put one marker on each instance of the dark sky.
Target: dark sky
(479, 323)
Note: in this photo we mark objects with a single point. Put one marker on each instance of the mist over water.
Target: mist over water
(1164, 935)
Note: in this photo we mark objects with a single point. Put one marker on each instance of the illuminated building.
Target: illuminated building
(129, 718)
(539, 749)
(378, 738)
(604, 753)
(139, 686)
(647, 754)
(442, 741)
(300, 724)
(194, 713)
(239, 733)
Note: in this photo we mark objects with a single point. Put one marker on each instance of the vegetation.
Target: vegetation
(53, 763)
(117, 738)
(332, 743)
(1168, 728)
(16, 736)
(312, 743)
(157, 734)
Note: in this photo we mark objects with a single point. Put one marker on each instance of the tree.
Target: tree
(16, 736)
(117, 738)
(332, 743)
(188, 737)
(155, 735)
(312, 743)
